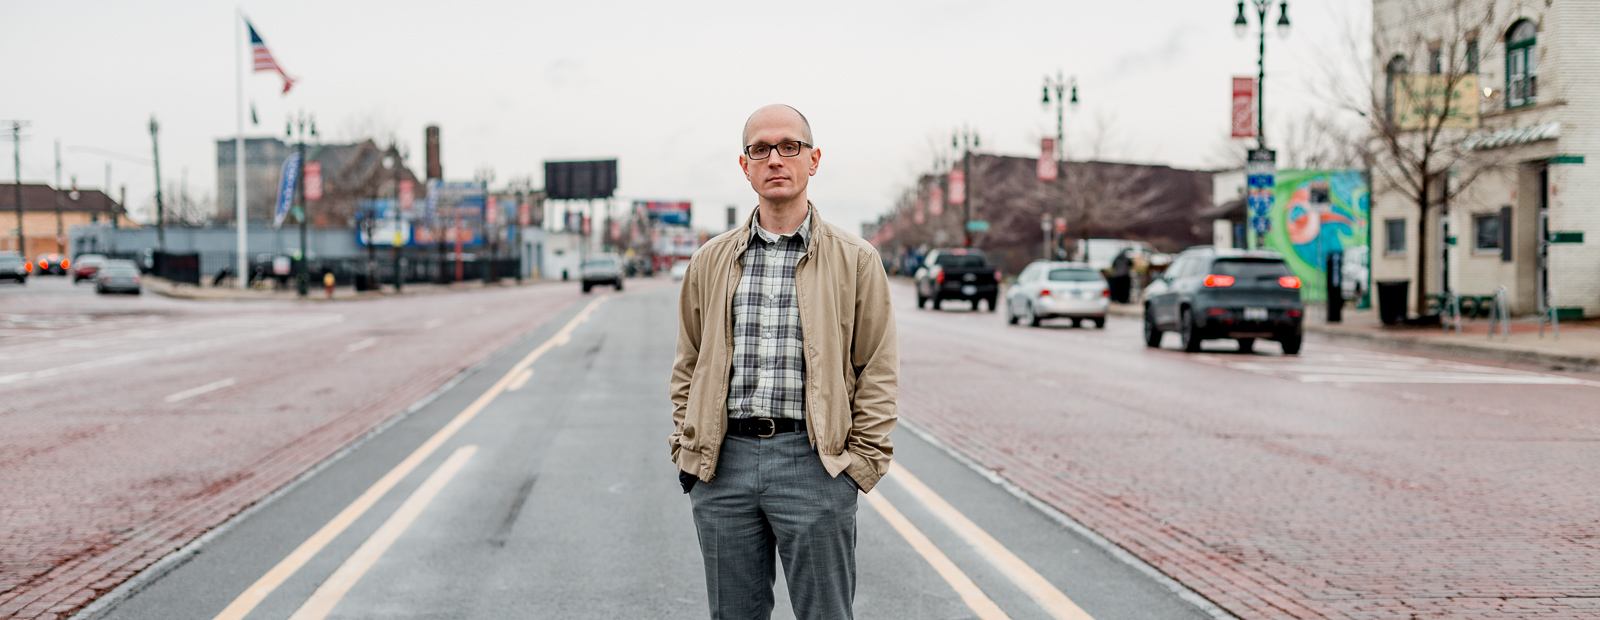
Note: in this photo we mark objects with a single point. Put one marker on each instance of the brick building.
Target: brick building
(1531, 162)
(47, 210)
(350, 172)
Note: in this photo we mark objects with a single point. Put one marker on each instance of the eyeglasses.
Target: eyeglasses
(787, 148)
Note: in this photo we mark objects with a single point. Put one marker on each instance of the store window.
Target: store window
(1486, 232)
(1522, 64)
(1394, 236)
(1392, 72)
(1472, 56)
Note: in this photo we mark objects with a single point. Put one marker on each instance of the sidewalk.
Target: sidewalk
(167, 288)
(1578, 348)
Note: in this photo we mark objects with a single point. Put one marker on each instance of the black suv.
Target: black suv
(1209, 293)
(957, 273)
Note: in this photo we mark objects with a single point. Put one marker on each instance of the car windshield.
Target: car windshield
(600, 262)
(90, 259)
(121, 271)
(1074, 275)
(10, 260)
(1251, 272)
(959, 260)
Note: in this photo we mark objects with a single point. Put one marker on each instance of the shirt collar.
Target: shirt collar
(804, 231)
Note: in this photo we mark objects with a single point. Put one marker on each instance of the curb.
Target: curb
(1553, 361)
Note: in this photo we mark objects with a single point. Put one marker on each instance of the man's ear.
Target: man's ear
(744, 166)
(816, 158)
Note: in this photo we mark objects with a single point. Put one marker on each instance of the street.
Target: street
(1039, 472)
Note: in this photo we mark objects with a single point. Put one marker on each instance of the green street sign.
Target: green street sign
(1566, 237)
(977, 226)
(298, 213)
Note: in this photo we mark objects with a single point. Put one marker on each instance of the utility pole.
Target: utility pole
(161, 209)
(61, 245)
(16, 157)
(399, 165)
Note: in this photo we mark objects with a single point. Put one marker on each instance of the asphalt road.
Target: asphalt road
(556, 499)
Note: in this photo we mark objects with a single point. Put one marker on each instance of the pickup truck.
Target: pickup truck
(957, 273)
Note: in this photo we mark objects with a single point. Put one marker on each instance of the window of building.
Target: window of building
(1486, 232)
(1522, 64)
(1392, 73)
(1472, 56)
(1394, 236)
(1435, 58)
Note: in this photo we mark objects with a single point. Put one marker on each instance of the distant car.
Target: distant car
(1047, 290)
(1100, 253)
(85, 266)
(680, 269)
(1353, 273)
(1213, 293)
(117, 276)
(601, 270)
(13, 267)
(957, 273)
(52, 264)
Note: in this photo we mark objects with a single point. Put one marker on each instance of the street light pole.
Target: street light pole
(965, 140)
(306, 124)
(161, 210)
(1241, 27)
(1061, 87)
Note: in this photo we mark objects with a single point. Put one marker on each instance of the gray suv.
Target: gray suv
(602, 270)
(1212, 293)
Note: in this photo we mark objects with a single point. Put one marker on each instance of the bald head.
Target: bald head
(778, 113)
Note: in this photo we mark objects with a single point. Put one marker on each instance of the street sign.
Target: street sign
(1261, 224)
(977, 226)
(1260, 170)
(1566, 237)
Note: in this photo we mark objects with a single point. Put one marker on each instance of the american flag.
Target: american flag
(263, 58)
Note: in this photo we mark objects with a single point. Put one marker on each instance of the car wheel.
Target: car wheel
(1190, 333)
(1247, 345)
(585, 288)
(922, 302)
(1100, 323)
(1077, 323)
(619, 285)
(991, 301)
(936, 301)
(1152, 335)
(975, 305)
(1028, 316)
(1291, 345)
(1011, 312)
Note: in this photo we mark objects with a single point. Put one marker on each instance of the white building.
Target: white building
(1535, 158)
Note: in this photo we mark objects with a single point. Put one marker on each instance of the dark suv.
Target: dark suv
(1209, 293)
(957, 273)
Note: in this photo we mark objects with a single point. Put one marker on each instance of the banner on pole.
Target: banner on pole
(286, 187)
(1047, 159)
(958, 186)
(313, 180)
(936, 201)
(1244, 107)
(408, 195)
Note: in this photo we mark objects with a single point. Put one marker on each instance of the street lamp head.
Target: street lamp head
(974, 140)
(1074, 92)
(1046, 100)
(288, 129)
(1283, 19)
(1240, 26)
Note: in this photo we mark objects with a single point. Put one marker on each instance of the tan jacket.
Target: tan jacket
(851, 353)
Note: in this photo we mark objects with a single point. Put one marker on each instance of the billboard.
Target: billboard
(455, 209)
(580, 180)
(1316, 213)
(667, 213)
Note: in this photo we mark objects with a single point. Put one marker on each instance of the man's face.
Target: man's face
(778, 178)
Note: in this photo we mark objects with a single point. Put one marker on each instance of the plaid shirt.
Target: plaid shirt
(769, 368)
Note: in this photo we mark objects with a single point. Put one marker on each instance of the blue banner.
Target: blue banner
(286, 187)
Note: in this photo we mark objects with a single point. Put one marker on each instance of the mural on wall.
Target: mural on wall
(1316, 213)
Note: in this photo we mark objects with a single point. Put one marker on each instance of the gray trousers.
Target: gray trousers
(773, 494)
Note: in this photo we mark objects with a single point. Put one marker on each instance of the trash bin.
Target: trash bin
(1392, 300)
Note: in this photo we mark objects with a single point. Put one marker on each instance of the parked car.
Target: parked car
(957, 273)
(680, 269)
(1050, 289)
(52, 263)
(601, 270)
(13, 267)
(1211, 293)
(85, 266)
(117, 276)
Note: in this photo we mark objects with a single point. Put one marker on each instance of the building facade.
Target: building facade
(49, 213)
(1523, 210)
(351, 174)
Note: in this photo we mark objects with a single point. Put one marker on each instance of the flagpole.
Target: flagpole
(241, 275)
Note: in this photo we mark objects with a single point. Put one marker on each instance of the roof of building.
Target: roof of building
(41, 197)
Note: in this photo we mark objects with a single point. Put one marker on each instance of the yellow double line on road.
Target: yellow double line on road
(258, 591)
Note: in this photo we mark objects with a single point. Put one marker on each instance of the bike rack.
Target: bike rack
(1500, 314)
(1549, 316)
(1451, 307)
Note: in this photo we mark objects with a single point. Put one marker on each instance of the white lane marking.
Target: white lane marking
(433, 323)
(286, 568)
(359, 345)
(193, 392)
(187, 347)
(521, 380)
(1386, 368)
(1049, 598)
(969, 592)
(333, 590)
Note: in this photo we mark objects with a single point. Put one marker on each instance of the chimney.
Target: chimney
(435, 168)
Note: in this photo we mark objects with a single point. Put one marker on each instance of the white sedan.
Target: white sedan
(1047, 290)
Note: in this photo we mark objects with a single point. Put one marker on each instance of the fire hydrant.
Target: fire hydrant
(327, 282)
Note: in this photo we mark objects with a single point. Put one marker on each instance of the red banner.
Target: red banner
(491, 214)
(1047, 159)
(1244, 107)
(313, 180)
(958, 186)
(936, 201)
(524, 214)
(408, 195)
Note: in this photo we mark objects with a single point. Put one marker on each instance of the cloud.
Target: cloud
(1172, 48)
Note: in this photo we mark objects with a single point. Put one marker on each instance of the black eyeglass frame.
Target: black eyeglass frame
(773, 148)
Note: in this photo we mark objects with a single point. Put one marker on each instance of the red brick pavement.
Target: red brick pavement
(1272, 498)
(104, 478)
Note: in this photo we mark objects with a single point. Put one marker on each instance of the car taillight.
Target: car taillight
(938, 275)
(44, 263)
(1214, 280)
(1289, 282)
(105, 278)
(1044, 292)
(1105, 292)
(997, 276)
(65, 263)
(1217, 311)
(28, 267)
(1292, 312)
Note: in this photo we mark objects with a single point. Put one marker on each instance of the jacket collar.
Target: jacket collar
(813, 223)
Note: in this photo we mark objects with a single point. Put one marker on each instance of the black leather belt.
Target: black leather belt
(764, 427)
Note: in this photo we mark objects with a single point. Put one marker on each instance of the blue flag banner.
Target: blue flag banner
(286, 187)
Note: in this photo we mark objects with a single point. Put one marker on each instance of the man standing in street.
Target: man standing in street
(783, 388)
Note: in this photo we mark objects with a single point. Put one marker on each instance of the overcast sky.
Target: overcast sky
(664, 87)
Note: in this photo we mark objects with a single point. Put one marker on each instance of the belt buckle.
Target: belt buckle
(772, 424)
